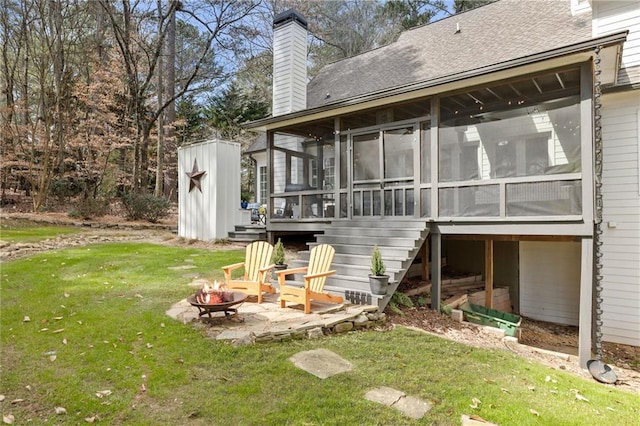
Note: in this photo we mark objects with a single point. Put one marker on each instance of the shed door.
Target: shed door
(550, 281)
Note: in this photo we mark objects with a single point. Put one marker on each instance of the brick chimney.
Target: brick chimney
(289, 62)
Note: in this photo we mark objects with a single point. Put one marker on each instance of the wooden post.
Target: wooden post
(436, 271)
(488, 273)
(425, 260)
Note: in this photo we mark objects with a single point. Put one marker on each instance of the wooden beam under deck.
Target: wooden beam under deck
(488, 273)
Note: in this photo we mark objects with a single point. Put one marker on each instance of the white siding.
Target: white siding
(550, 281)
(212, 213)
(612, 16)
(621, 218)
(289, 68)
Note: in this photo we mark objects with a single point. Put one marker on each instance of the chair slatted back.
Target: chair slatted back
(320, 261)
(258, 255)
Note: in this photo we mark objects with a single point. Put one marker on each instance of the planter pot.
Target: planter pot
(379, 284)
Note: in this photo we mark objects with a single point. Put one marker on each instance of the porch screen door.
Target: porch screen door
(366, 175)
(383, 175)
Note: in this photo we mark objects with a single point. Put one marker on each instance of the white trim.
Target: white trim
(524, 228)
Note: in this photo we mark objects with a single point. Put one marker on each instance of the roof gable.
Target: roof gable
(495, 33)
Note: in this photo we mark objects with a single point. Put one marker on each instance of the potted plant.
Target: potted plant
(278, 256)
(378, 281)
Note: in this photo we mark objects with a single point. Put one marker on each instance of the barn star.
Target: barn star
(194, 176)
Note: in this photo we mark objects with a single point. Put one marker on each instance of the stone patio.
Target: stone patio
(268, 322)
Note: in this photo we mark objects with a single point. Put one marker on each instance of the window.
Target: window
(425, 152)
(329, 173)
(262, 190)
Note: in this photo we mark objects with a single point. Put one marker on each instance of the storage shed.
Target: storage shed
(208, 189)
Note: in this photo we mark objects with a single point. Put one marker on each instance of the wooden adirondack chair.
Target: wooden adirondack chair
(257, 265)
(315, 276)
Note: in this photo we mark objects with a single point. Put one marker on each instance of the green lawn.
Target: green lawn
(99, 345)
(18, 231)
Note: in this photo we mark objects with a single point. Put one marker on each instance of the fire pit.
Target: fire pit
(226, 306)
(216, 298)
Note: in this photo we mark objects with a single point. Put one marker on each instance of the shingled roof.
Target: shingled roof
(491, 34)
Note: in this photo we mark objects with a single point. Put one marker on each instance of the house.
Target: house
(504, 139)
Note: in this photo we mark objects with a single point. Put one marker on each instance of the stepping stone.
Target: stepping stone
(233, 335)
(407, 405)
(322, 363)
(412, 407)
(180, 268)
(384, 395)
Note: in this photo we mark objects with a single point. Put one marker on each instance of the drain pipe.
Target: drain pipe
(597, 235)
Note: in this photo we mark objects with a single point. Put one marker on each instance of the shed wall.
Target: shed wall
(621, 218)
(212, 213)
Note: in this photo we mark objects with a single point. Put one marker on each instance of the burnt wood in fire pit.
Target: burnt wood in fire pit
(226, 307)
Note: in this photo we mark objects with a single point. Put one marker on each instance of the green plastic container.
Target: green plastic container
(492, 317)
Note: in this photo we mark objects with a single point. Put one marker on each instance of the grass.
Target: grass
(18, 231)
(97, 323)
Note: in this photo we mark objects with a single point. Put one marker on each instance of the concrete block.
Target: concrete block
(457, 315)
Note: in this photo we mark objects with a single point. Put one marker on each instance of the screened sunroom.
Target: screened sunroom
(507, 151)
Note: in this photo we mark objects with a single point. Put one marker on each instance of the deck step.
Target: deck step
(399, 241)
(246, 234)
(365, 250)
(380, 240)
(358, 259)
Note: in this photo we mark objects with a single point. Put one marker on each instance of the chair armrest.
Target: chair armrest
(318, 275)
(282, 274)
(227, 270)
(292, 271)
(266, 268)
(234, 266)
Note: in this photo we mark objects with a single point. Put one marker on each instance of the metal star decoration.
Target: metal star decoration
(194, 176)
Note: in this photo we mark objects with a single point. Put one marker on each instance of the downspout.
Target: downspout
(597, 235)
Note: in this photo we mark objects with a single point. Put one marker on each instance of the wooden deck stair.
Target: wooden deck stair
(399, 241)
(245, 234)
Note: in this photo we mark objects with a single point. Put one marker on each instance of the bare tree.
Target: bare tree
(141, 55)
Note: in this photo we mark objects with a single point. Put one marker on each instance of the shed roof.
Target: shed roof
(491, 34)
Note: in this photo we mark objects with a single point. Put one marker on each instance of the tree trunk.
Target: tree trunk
(159, 90)
(171, 85)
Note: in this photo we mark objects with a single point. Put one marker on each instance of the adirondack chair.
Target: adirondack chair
(315, 275)
(257, 265)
